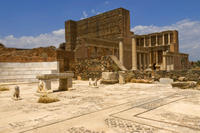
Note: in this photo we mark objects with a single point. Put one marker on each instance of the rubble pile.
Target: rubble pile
(93, 67)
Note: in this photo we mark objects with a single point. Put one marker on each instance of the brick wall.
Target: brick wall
(42, 54)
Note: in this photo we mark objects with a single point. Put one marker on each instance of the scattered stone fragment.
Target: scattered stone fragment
(141, 81)
(16, 93)
(181, 79)
(184, 85)
(93, 83)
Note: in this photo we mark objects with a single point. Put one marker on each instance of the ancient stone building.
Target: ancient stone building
(159, 51)
(109, 34)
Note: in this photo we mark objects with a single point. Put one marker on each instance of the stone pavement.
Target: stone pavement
(128, 108)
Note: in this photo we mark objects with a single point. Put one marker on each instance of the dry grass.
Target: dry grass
(47, 99)
(3, 88)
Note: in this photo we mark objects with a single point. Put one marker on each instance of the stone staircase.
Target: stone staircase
(26, 72)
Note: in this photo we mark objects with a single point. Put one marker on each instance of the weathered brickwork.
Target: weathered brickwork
(42, 54)
(109, 34)
(109, 25)
(99, 35)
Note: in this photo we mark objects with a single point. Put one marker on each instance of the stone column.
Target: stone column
(145, 61)
(144, 42)
(147, 58)
(121, 52)
(172, 63)
(163, 37)
(168, 38)
(134, 54)
(140, 62)
(164, 61)
(156, 57)
(169, 63)
(150, 59)
(156, 40)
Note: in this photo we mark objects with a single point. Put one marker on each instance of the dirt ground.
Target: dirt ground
(128, 108)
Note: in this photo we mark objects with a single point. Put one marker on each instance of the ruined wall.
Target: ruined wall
(181, 61)
(42, 54)
(92, 48)
(27, 55)
(109, 25)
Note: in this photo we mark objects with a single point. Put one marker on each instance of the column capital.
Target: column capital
(120, 38)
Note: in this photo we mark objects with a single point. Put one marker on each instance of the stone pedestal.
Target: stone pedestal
(63, 84)
(109, 77)
(121, 77)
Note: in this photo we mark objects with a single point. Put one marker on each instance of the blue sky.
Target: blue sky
(34, 23)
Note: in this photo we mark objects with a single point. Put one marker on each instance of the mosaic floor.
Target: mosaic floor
(129, 108)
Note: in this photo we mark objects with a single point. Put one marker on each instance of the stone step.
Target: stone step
(18, 76)
(18, 80)
(27, 72)
(30, 64)
(24, 69)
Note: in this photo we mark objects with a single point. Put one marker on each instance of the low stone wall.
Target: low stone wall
(92, 68)
(26, 71)
(190, 75)
(42, 54)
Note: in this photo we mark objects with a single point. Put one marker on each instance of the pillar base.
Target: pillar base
(134, 68)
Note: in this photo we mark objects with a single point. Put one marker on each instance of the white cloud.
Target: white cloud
(59, 32)
(54, 38)
(189, 35)
(85, 15)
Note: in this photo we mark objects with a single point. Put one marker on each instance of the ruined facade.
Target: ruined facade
(159, 51)
(109, 34)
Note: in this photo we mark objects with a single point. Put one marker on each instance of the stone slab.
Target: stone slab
(165, 81)
(55, 76)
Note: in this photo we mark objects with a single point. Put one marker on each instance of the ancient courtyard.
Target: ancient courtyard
(104, 78)
(132, 107)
